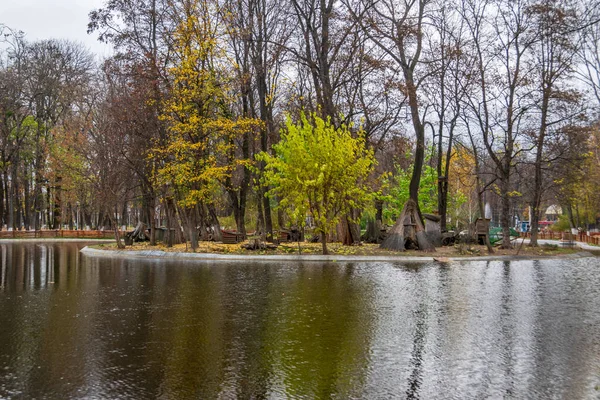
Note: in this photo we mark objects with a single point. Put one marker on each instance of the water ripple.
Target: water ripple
(77, 327)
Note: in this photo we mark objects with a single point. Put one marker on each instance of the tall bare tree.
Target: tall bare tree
(553, 50)
(141, 33)
(57, 73)
(397, 27)
(500, 101)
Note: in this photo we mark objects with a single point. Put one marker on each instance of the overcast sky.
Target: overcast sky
(45, 19)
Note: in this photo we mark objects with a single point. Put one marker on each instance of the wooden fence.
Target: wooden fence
(60, 234)
(593, 238)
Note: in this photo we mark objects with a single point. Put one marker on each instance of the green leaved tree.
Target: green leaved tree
(400, 193)
(319, 169)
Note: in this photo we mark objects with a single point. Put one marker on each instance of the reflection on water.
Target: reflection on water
(78, 327)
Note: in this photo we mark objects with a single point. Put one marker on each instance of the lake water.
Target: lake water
(74, 327)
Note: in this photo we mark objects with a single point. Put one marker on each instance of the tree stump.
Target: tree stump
(139, 233)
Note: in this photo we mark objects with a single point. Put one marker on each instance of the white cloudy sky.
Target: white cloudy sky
(45, 19)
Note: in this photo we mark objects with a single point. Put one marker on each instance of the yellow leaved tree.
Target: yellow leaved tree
(200, 127)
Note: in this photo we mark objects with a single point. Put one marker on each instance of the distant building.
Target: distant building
(549, 218)
(553, 213)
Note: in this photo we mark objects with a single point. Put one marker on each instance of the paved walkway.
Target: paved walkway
(581, 245)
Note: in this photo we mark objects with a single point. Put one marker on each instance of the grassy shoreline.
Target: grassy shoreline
(337, 249)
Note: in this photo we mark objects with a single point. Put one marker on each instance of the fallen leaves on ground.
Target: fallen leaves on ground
(365, 249)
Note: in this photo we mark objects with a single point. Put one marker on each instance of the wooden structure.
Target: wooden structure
(290, 235)
(232, 237)
(567, 240)
(284, 236)
(433, 229)
(164, 235)
(410, 228)
(482, 229)
(408, 231)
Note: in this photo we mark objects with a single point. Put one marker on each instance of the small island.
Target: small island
(337, 251)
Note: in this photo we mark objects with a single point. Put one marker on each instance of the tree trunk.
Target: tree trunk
(58, 203)
(27, 195)
(268, 218)
(374, 227)
(260, 217)
(267, 116)
(17, 201)
(537, 184)
(349, 231)
(192, 232)
(214, 221)
(237, 199)
(49, 220)
(87, 219)
(169, 217)
(176, 222)
(505, 217)
(205, 222)
(38, 197)
(115, 225)
(7, 195)
(373, 233)
(570, 215)
(108, 221)
(1, 202)
(151, 215)
(480, 205)
(11, 205)
(324, 243)
(535, 218)
(233, 199)
(443, 202)
(70, 214)
(124, 220)
(95, 221)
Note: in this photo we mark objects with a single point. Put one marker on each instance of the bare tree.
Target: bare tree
(501, 100)
(397, 27)
(588, 54)
(553, 50)
(107, 172)
(141, 33)
(15, 121)
(445, 90)
(57, 73)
